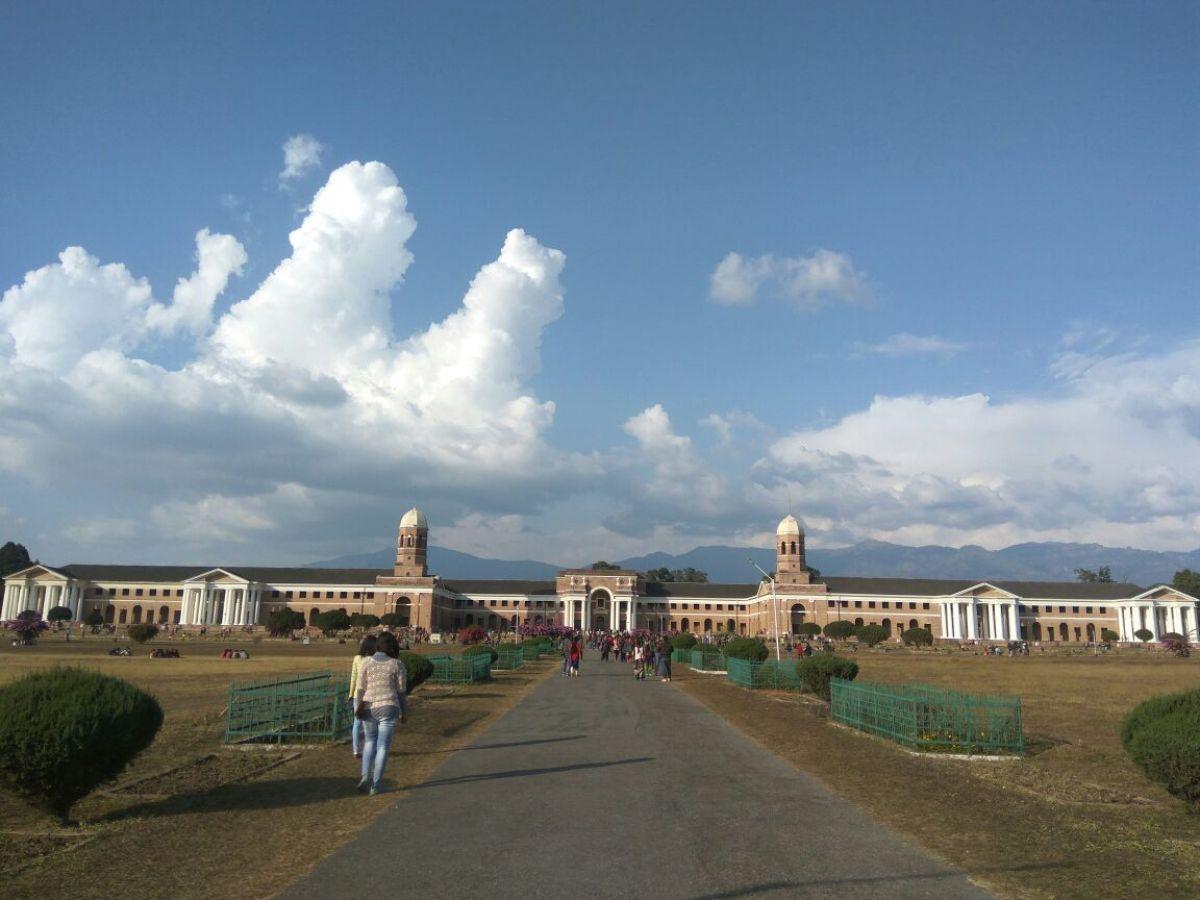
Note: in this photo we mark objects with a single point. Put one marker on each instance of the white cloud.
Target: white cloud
(808, 282)
(301, 390)
(301, 154)
(725, 426)
(905, 344)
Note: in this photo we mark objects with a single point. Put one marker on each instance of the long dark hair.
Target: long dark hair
(368, 646)
(387, 644)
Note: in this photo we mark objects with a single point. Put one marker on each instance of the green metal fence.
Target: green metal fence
(301, 709)
(924, 717)
(768, 674)
(707, 659)
(531, 653)
(681, 656)
(510, 657)
(460, 669)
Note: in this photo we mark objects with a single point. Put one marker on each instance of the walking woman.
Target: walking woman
(576, 653)
(382, 682)
(365, 649)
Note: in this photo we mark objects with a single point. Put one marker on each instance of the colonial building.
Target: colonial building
(241, 596)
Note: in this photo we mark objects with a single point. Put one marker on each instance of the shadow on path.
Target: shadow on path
(573, 737)
(522, 773)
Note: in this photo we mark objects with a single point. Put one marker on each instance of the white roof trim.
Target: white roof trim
(24, 573)
(1180, 597)
(203, 576)
(985, 584)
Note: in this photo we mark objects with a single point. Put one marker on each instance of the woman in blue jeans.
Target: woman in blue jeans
(365, 650)
(382, 684)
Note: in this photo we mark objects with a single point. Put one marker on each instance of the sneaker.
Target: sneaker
(374, 790)
(362, 786)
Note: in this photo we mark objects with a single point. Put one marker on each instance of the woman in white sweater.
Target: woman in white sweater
(382, 684)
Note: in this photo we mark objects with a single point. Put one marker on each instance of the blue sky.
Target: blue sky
(1011, 188)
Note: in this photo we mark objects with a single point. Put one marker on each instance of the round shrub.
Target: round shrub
(809, 629)
(746, 648)
(481, 650)
(1143, 634)
(393, 620)
(364, 620)
(94, 618)
(815, 672)
(1162, 736)
(282, 622)
(417, 666)
(683, 641)
(917, 637)
(1109, 636)
(334, 620)
(870, 634)
(63, 731)
(142, 632)
(60, 614)
(839, 630)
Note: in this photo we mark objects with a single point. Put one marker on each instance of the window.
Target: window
(1075, 609)
(1088, 610)
(303, 594)
(370, 595)
(829, 603)
(871, 605)
(153, 592)
(720, 606)
(1048, 609)
(858, 604)
(179, 593)
(914, 606)
(1062, 609)
(137, 592)
(708, 606)
(1103, 610)
(885, 604)
(124, 592)
(844, 603)
(287, 595)
(342, 595)
(275, 595)
(329, 595)
(924, 606)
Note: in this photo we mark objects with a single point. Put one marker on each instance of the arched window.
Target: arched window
(164, 615)
(121, 618)
(783, 546)
(887, 626)
(1091, 632)
(312, 615)
(858, 623)
(793, 547)
(176, 617)
(109, 612)
(708, 625)
(1063, 634)
(137, 615)
(730, 625)
(912, 623)
(685, 625)
(1037, 631)
(538, 620)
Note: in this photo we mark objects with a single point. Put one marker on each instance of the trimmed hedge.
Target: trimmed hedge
(59, 614)
(331, 621)
(393, 620)
(747, 648)
(63, 731)
(1162, 736)
(815, 672)
(481, 650)
(1109, 636)
(809, 629)
(683, 641)
(917, 637)
(870, 634)
(839, 630)
(142, 632)
(364, 620)
(281, 622)
(94, 618)
(418, 667)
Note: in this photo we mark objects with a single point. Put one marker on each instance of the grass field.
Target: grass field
(230, 822)
(1074, 818)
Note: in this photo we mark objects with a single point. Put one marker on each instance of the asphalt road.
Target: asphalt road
(603, 786)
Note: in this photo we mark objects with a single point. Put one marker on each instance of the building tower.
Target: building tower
(412, 545)
(789, 553)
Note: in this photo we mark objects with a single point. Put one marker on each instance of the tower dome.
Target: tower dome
(789, 526)
(414, 518)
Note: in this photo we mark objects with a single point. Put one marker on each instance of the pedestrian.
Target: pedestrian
(574, 655)
(365, 649)
(382, 684)
(664, 663)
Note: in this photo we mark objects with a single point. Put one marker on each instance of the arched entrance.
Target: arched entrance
(164, 615)
(137, 615)
(402, 607)
(798, 612)
(707, 625)
(887, 626)
(685, 625)
(109, 612)
(600, 607)
(1063, 634)
(1091, 633)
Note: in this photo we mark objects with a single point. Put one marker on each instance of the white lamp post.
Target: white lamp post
(774, 606)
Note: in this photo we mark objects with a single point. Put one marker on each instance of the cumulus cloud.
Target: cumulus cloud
(808, 282)
(301, 155)
(905, 344)
(299, 391)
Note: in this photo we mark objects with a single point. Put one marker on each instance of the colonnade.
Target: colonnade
(981, 619)
(1158, 619)
(618, 608)
(223, 605)
(41, 598)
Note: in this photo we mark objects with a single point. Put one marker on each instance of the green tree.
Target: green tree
(1104, 575)
(59, 614)
(917, 637)
(1109, 636)
(331, 621)
(809, 629)
(281, 622)
(1086, 575)
(364, 620)
(1143, 634)
(870, 634)
(671, 575)
(604, 566)
(13, 558)
(94, 618)
(1187, 581)
(839, 630)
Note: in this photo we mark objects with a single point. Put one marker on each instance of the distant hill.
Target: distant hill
(449, 564)
(1049, 561)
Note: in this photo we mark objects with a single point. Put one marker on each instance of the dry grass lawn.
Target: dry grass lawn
(1074, 818)
(241, 823)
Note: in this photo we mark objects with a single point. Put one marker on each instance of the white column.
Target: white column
(1014, 621)
(1154, 630)
(973, 619)
(1176, 620)
(632, 613)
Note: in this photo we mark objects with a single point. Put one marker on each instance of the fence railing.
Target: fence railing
(509, 656)
(681, 656)
(929, 718)
(303, 709)
(460, 669)
(767, 675)
(707, 659)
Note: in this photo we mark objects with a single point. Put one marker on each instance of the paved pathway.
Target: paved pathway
(603, 786)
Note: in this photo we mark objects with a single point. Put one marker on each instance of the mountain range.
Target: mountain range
(1045, 561)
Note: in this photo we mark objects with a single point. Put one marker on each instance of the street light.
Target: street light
(774, 605)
